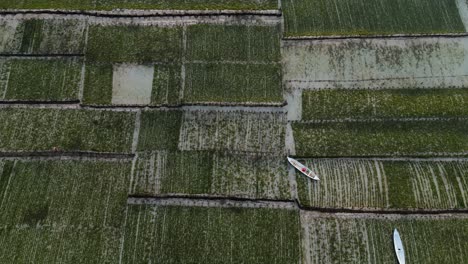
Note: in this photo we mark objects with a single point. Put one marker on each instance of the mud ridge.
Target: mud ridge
(142, 13)
(65, 154)
(394, 36)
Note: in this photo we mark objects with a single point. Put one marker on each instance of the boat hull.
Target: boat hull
(303, 169)
(399, 251)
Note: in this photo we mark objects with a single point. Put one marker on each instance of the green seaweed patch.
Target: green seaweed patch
(44, 79)
(396, 103)
(364, 240)
(70, 209)
(243, 43)
(201, 235)
(141, 4)
(65, 130)
(167, 84)
(134, 43)
(159, 130)
(213, 82)
(363, 17)
(98, 83)
(41, 36)
(382, 138)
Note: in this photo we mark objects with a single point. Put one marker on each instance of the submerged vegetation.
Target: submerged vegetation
(385, 185)
(397, 103)
(211, 235)
(381, 138)
(371, 17)
(53, 210)
(141, 4)
(27, 130)
(210, 174)
(47, 79)
(354, 239)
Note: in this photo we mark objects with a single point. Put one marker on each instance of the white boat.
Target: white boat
(399, 251)
(306, 171)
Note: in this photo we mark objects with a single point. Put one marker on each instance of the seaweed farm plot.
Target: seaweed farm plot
(329, 104)
(40, 79)
(8, 42)
(42, 36)
(381, 138)
(385, 185)
(371, 17)
(142, 4)
(62, 210)
(134, 44)
(159, 130)
(133, 65)
(211, 235)
(210, 174)
(25, 129)
(183, 65)
(236, 131)
(376, 63)
(344, 238)
(250, 72)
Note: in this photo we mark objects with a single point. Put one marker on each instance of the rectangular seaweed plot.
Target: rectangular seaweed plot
(98, 83)
(211, 235)
(58, 210)
(210, 174)
(65, 130)
(368, 239)
(134, 44)
(8, 42)
(40, 79)
(371, 17)
(233, 83)
(382, 185)
(237, 131)
(376, 63)
(141, 4)
(383, 138)
(245, 43)
(47, 37)
(250, 72)
(399, 103)
(159, 130)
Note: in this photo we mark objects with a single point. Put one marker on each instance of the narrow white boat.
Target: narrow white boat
(306, 171)
(399, 251)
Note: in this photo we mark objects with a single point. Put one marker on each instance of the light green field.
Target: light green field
(370, 17)
(233, 43)
(42, 36)
(65, 130)
(141, 4)
(211, 235)
(134, 44)
(70, 211)
(159, 130)
(399, 103)
(210, 174)
(200, 73)
(235, 131)
(348, 239)
(383, 138)
(98, 84)
(40, 79)
(213, 82)
(167, 84)
(382, 185)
